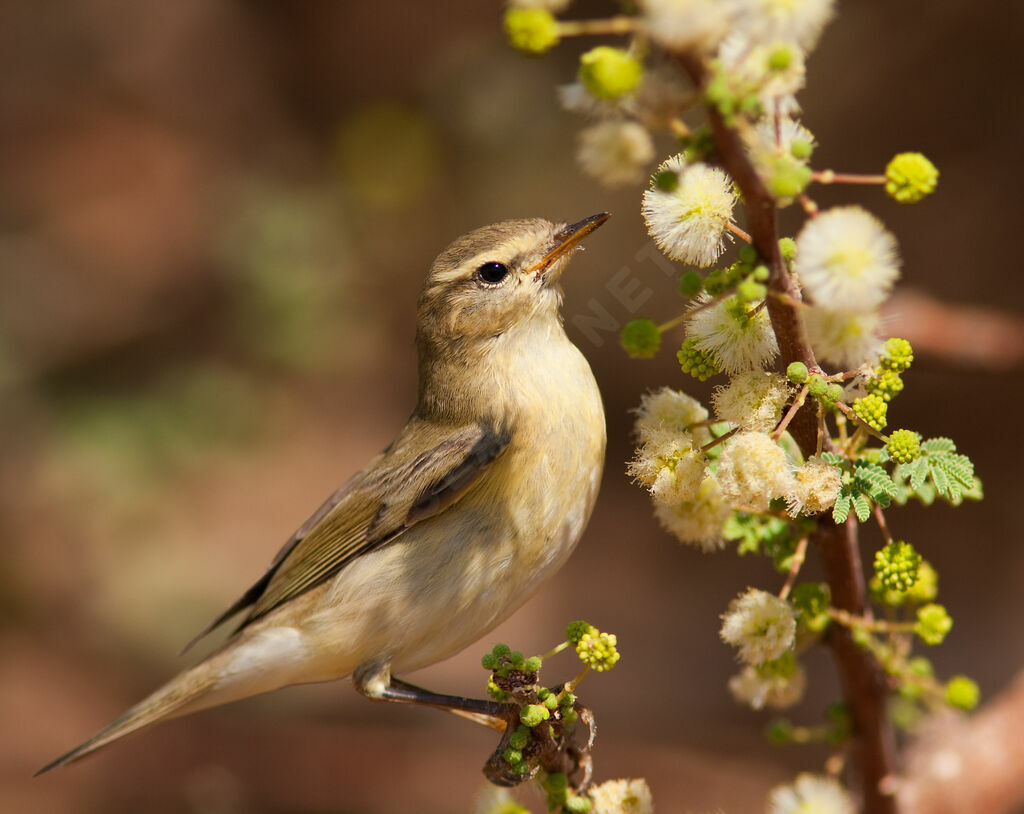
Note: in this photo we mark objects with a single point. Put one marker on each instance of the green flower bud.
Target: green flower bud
(817, 386)
(598, 650)
(833, 393)
(749, 290)
(533, 31)
(532, 664)
(787, 247)
(700, 364)
(801, 149)
(609, 73)
(904, 446)
(690, 284)
(500, 650)
(871, 410)
(933, 623)
(887, 384)
(797, 372)
(924, 590)
(513, 755)
(533, 714)
(519, 738)
(787, 178)
(761, 273)
(909, 177)
(640, 338)
(575, 630)
(962, 693)
(897, 566)
(897, 354)
(489, 661)
(747, 254)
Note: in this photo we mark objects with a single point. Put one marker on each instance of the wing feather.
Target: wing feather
(423, 473)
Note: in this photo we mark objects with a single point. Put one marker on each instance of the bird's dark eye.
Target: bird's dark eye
(492, 273)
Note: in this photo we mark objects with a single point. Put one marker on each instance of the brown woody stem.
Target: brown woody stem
(861, 679)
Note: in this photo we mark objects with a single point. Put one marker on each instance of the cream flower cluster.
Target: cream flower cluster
(693, 497)
(670, 428)
(622, 797)
(753, 400)
(847, 262)
(739, 336)
(690, 222)
(753, 471)
(760, 625)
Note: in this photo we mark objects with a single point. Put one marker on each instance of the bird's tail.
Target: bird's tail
(188, 692)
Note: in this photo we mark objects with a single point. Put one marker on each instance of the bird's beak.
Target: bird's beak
(567, 239)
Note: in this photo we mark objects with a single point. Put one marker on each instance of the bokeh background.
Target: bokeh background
(214, 219)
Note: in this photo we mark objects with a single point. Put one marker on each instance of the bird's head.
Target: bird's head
(496, 278)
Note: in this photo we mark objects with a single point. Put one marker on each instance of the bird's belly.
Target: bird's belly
(450, 579)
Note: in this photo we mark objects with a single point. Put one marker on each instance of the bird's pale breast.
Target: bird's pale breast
(450, 579)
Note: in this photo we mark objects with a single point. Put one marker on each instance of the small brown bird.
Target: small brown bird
(481, 497)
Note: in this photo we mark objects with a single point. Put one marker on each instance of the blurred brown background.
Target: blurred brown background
(214, 219)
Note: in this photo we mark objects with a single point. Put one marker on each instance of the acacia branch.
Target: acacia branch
(862, 681)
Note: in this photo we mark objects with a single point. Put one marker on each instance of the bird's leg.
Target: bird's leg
(402, 691)
(378, 684)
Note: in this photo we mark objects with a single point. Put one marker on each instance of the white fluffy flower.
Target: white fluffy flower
(815, 487)
(670, 467)
(668, 413)
(761, 625)
(846, 339)
(689, 223)
(739, 336)
(622, 797)
(846, 259)
(799, 21)
(810, 794)
(616, 152)
(752, 470)
(764, 686)
(753, 400)
(688, 25)
(699, 521)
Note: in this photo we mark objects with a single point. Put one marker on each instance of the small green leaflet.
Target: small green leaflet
(864, 483)
(940, 472)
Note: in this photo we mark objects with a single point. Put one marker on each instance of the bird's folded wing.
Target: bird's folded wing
(425, 471)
